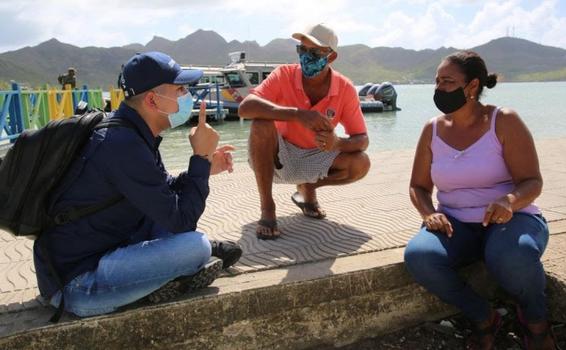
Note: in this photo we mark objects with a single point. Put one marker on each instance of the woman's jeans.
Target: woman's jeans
(511, 253)
(132, 272)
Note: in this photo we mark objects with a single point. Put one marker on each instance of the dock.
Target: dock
(212, 115)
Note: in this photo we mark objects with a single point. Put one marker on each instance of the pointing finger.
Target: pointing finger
(202, 114)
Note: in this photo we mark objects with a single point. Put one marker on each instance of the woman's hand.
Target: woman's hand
(498, 212)
(438, 222)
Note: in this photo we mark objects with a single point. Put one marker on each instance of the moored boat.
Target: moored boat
(378, 97)
(236, 79)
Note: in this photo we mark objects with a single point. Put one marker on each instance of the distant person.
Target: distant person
(68, 79)
(483, 163)
(107, 105)
(145, 244)
(292, 140)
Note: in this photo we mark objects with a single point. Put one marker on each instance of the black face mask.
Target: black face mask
(449, 102)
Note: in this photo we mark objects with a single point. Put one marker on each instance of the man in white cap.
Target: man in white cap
(292, 138)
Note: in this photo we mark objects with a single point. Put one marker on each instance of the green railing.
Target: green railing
(22, 109)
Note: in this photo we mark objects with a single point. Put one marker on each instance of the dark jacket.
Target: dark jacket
(116, 161)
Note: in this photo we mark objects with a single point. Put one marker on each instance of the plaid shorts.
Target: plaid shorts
(302, 165)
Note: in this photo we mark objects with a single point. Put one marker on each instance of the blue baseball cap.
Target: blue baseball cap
(144, 71)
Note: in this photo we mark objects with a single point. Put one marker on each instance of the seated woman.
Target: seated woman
(483, 162)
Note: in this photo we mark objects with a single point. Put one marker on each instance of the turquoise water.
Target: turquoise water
(542, 106)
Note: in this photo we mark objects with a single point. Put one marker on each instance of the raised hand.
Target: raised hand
(203, 138)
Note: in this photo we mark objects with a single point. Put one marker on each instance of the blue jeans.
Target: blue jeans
(130, 273)
(511, 253)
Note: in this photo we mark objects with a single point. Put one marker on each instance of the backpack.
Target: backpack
(35, 165)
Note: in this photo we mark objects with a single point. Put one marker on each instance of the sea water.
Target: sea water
(542, 106)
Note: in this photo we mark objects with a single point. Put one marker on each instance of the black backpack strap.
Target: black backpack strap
(120, 122)
(57, 315)
(73, 214)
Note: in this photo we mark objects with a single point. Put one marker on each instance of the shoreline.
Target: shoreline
(376, 153)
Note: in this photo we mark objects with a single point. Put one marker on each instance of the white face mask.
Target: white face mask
(183, 113)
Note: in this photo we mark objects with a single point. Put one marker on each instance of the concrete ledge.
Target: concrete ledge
(333, 302)
(314, 311)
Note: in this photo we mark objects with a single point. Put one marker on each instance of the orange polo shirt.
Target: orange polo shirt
(284, 86)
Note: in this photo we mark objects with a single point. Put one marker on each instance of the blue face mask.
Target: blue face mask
(312, 65)
(185, 103)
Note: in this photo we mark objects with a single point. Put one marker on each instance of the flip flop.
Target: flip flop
(306, 207)
(270, 224)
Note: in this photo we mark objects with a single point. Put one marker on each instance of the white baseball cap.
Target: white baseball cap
(320, 34)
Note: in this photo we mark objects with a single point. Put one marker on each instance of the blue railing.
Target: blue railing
(11, 121)
(202, 91)
(32, 109)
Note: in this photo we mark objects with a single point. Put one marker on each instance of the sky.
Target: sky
(411, 24)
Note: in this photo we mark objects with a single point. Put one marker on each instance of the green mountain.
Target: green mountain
(41, 64)
(515, 59)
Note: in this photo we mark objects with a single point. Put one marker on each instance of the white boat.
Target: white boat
(228, 85)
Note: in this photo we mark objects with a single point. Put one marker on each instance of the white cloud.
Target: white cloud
(437, 26)
(494, 20)
(428, 30)
(555, 34)
(413, 24)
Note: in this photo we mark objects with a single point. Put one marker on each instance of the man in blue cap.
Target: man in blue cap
(145, 245)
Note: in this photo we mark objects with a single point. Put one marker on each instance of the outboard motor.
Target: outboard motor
(374, 88)
(364, 90)
(385, 93)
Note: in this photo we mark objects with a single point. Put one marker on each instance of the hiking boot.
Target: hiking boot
(230, 252)
(185, 284)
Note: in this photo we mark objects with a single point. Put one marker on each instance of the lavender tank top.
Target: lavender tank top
(467, 181)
